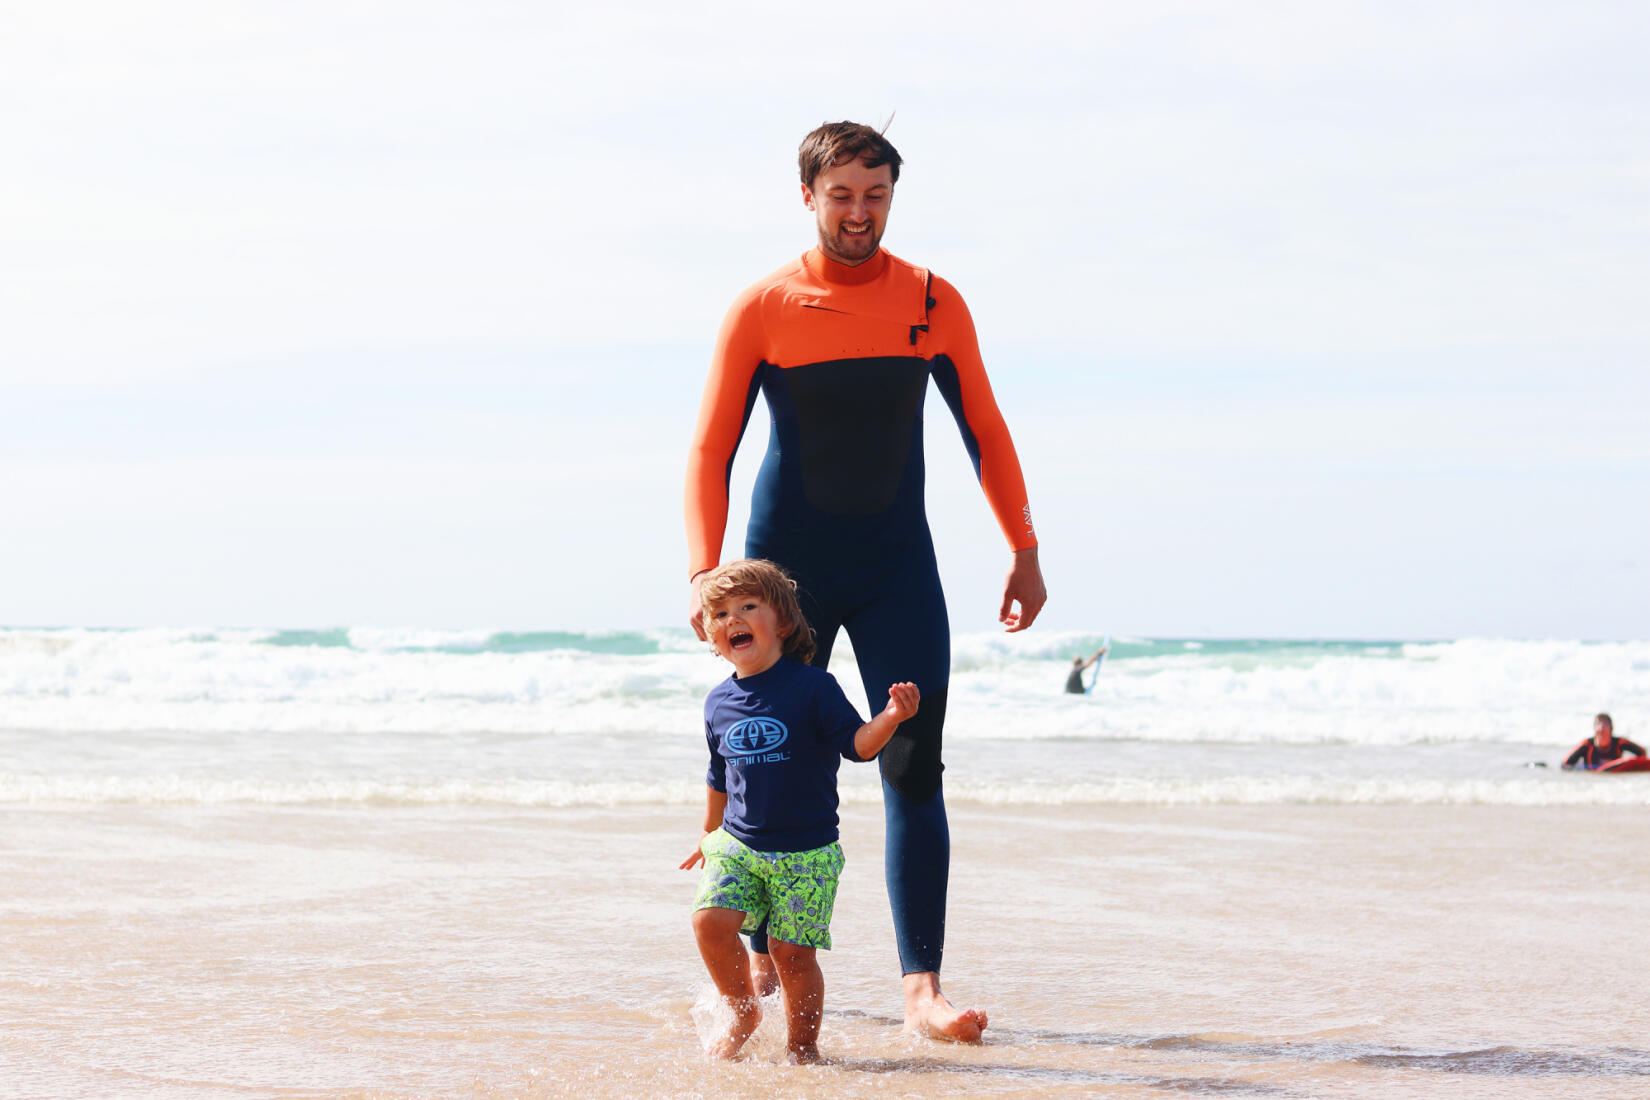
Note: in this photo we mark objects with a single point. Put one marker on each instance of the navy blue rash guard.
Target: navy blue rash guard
(775, 739)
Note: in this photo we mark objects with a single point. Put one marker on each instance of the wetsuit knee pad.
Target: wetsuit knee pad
(910, 762)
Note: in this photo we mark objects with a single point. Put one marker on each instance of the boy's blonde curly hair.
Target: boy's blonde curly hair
(759, 577)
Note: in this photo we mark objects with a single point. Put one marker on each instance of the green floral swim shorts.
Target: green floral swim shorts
(794, 891)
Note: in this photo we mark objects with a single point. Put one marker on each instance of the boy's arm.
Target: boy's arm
(716, 803)
(873, 735)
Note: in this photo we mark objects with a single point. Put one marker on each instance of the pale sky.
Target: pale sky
(1309, 319)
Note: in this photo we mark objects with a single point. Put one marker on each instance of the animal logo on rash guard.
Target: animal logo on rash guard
(753, 741)
(755, 735)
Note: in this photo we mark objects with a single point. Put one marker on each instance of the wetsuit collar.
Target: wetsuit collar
(828, 269)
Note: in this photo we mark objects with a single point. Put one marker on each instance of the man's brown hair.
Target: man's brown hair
(837, 143)
(759, 577)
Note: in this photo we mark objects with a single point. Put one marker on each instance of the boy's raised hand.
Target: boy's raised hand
(902, 701)
(873, 735)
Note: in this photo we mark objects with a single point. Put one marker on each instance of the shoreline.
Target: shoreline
(418, 951)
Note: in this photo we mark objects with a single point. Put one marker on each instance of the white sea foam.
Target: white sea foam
(194, 715)
(429, 680)
(1563, 790)
(186, 790)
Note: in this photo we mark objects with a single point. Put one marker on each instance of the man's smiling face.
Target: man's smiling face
(850, 203)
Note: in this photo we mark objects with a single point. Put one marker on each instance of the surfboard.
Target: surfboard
(1627, 764)
(1095, 679)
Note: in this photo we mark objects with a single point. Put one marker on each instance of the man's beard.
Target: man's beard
(849, 249)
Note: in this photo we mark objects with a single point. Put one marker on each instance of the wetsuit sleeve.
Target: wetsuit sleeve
(1628, 747)
(730, 391)
(835, 718)
(960, 375)
(1577, 754)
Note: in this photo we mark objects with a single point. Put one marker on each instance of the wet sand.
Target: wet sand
(1127, 951)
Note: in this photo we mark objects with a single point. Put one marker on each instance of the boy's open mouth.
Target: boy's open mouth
(739, 639)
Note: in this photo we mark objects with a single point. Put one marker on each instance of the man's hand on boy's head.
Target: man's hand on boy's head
(903, 698)
(696, 607)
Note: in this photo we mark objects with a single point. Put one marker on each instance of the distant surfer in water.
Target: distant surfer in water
(1601, 748)
(1074, 682)
(842, 342)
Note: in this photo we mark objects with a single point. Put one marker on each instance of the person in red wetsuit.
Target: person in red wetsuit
(1601, 748)
(842, 343)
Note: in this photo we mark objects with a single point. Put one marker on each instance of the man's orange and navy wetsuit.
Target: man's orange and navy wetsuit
(843, 356)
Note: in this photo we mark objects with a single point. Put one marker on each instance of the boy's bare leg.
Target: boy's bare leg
(929, 1014)
(804, 986)
(717, 933)
(764, 978)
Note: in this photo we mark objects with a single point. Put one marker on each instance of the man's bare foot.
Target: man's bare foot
(937, 1019)
(804, 1055)
(929, 1014)
(746, 1015)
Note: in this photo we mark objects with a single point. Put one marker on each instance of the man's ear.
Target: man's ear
(807, 196)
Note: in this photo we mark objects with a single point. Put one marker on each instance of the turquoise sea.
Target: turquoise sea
(560, 718)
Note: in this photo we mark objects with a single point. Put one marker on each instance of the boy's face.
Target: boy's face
(746, 632)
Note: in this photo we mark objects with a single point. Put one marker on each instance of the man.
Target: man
(842, 343)
(1074, 679)
(1602, 748)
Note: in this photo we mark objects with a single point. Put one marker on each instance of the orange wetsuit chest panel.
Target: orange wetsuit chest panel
(853, 349)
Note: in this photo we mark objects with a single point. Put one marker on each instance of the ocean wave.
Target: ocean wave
(1564, 789)
(594, 683)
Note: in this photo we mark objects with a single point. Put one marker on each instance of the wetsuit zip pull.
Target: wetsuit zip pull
(916, 329)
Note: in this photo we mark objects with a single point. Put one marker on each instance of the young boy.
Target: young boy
(775, 728)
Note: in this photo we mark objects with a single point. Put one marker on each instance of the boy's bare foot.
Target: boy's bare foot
(929, 1014)
(804, 1055)
(746, 1015)
(764, 978)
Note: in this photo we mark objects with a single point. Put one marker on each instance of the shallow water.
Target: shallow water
(1288, 950)
(347, 863)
